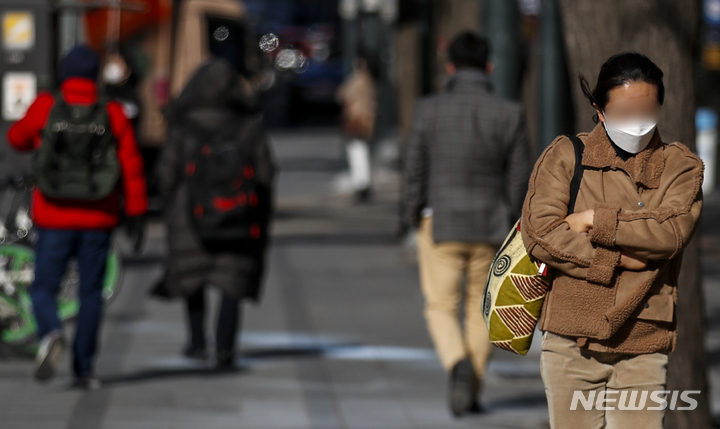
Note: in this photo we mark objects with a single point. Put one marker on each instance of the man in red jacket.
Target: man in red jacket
(79, 228)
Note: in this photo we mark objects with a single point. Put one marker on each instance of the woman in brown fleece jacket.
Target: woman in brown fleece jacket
(609, 319)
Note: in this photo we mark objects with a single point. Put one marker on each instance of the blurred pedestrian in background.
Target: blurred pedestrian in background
(609, 320)
(87, 165)
(121, 84)
(358, 98)
(467, 167)
(216, 178)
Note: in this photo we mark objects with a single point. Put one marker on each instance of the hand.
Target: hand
(631, 261)
(581, 222)
(135, 230)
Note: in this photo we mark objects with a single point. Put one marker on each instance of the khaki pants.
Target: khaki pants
(566, 368)
(442, 268)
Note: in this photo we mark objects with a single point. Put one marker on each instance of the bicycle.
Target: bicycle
(17, 268)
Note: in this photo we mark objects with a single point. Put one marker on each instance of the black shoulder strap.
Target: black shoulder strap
(578, 175)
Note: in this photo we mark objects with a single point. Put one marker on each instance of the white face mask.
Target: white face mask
(631, 137)
(113, 73)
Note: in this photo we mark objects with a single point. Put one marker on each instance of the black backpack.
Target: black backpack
(228, 205)
(77, 159)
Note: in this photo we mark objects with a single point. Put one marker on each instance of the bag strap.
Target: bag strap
(578, 174)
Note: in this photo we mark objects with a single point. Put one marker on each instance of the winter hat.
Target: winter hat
(81, 61)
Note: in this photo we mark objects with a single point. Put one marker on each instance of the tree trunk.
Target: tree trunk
(667, 32)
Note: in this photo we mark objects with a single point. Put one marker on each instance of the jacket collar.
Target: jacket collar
(466, 78)
(645, 168)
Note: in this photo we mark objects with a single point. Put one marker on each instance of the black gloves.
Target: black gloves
(135, 230)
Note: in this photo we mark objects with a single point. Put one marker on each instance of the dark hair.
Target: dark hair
(469, 49)
(618, 70)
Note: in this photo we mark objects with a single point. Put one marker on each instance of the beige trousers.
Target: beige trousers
(442, 268)
(567, 369)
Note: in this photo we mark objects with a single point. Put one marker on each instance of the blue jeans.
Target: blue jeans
(53, 250)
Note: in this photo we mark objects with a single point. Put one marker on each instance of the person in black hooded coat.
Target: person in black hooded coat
(213, 98)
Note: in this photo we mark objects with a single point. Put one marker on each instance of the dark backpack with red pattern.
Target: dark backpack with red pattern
(227, 203)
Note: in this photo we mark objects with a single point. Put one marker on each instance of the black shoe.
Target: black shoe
(197, 353)
(362, 195)
(225, 361)
(476, 408)
(87, 383)
(463, 385)
(49, 353)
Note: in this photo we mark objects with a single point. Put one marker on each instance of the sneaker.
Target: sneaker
(462, 388)
(87, 383)
(49, 353)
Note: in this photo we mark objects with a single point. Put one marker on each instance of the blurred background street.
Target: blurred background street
(339, 339)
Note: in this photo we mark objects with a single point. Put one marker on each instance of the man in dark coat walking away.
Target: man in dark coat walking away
(215, 101)
(467, 169)
(81, 225)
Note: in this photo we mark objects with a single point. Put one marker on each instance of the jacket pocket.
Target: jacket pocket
(657, 307)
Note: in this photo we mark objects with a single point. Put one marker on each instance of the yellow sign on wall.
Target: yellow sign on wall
(18, 31)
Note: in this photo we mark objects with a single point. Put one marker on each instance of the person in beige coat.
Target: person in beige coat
(609, 320)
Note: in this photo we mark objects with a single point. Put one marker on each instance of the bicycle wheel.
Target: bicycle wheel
(18, 323)
(113, 275)
(16, 273)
